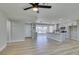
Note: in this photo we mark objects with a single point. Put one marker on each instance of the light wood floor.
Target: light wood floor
(42, 47)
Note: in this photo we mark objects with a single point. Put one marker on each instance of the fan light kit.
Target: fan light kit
(35, 9)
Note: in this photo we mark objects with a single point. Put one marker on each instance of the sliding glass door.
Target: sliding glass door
(41, 29)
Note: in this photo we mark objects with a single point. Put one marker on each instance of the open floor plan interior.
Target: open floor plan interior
(39, 28)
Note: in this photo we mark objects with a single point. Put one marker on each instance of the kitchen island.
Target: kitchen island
(57, 36)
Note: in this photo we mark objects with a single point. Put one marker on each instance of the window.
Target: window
(41, 29)
(52, 28)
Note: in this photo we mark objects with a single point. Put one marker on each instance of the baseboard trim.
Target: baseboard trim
(28, 37)
(75, 39)
(3, 47)
(15, 41)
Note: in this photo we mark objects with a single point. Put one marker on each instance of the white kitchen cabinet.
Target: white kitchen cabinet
(57, 36)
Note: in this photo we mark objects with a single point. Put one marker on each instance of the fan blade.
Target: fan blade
(27, 8)
(31, 4)
(44, 6)
(36, 3)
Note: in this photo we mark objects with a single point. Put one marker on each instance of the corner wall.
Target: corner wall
(3, 32)
(78, 30)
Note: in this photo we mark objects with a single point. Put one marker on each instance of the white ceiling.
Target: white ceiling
(64, 11)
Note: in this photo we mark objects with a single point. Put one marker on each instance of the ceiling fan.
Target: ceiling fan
(36, 6)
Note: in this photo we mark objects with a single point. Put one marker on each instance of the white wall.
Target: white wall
(3, 32)
(78, 30)
(9, 28)
(28, 30)
(18, 32)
